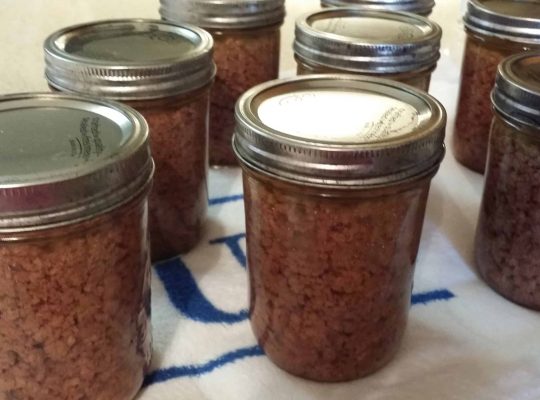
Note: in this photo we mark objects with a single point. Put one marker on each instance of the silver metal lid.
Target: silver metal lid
(517, 89)
(517, 20)
(224, 14)
(421, 7)
(354, 40)
(129, 59)
(339, 130)
(68, 158)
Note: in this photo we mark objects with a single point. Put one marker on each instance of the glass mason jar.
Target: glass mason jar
(421, 7)
(495, 30)
(247, 45)
(165, 72)
(74, 252)
(399, 46)
(334, 212)
(508, 238)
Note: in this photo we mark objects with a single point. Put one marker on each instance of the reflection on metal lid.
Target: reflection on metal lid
(422, 7)
(305, 115)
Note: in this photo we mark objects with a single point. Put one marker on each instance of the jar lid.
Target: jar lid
(129, 59)
(309, 130)
(422, 7)
(68, 158)
(224, 14)
(517, 20)
(367, 41)
(517, 89)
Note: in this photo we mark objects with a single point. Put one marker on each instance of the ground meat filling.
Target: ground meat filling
(330, 277)
(244, 60)
(74, 310)
(178, 202)
(474, 114)
(508, 234)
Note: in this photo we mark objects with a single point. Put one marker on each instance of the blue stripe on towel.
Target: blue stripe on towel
(429, 297)
(163, 375)
(186, 296)
(226, 199)
(233, 243)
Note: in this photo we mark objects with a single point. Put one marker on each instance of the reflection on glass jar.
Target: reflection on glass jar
(507, 238)
(164, 71)
(74, 252)
(397, 46)
(247, 45)
(334, 213)
(495, 30)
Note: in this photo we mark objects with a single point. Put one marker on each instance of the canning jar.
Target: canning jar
(334, 211)
(74, 253)
(421, 7)
(495, 29)
(399, 46)
(247, 44)
(508, 236)
(165, 72)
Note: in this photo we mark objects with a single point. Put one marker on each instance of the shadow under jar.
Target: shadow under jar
(399, 46)
(495, 30)
(508, 234)
(247, 44)
(165, 72)
(421, 7)
(334, 211)
(74, 251)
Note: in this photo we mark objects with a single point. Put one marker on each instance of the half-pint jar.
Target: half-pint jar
(399, 46)
(334, 211)
(508, 234)
(165, 72)
(74, 253)
(495, 30)
(247, 45)
(421, 7)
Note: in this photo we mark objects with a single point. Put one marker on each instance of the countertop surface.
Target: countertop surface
(463, 341)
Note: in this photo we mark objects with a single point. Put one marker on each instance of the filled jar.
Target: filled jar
(508, 236)
(247, 44)
(165, 72)
(495, 29)
(398, 46)
(334, 212)
(74, 253)
(421, 7)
